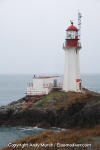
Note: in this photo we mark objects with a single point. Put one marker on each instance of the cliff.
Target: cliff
(57, 109)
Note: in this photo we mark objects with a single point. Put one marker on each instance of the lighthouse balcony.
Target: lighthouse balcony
(71, 44)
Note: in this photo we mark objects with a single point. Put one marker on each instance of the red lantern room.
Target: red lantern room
(72, 36)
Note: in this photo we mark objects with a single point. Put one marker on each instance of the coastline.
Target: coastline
(70, 111)
(69, 139)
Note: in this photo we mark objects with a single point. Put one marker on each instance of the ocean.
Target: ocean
(13, 87)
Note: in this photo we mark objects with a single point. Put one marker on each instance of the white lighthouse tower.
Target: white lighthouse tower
(72, 46)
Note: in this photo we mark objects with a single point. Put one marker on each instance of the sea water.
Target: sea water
(9, 134)
(13, 87)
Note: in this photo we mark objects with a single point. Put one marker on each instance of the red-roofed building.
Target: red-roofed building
(42, 85)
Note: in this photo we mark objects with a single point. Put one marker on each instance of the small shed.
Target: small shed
(42, 85)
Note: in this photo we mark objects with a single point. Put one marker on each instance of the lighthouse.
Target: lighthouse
(72, 46)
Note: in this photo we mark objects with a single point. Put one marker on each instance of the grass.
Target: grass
(52, 95)
(61, 99)
(64, 137)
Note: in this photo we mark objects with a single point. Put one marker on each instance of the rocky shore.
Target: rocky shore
(58, 109)
(77, 112)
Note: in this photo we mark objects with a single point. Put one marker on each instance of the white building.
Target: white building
(72, 46)
(42, 85)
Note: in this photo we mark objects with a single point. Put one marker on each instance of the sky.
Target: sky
(32, 33)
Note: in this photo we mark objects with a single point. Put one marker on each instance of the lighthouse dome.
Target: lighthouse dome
(72, 27)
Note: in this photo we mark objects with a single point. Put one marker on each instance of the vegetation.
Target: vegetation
(77, 136)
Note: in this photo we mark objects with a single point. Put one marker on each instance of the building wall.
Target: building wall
(72, 70)
(42, 86)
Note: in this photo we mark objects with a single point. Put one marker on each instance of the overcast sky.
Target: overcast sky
(32, 33)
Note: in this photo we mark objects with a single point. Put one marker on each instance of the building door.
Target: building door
(80, 86)
(55, 83)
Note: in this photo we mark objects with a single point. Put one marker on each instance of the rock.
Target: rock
(58, 109)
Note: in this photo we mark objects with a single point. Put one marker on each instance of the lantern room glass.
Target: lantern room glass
(72, 35)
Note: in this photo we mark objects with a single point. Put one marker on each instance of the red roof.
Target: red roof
(44, 77)
(72, 28)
